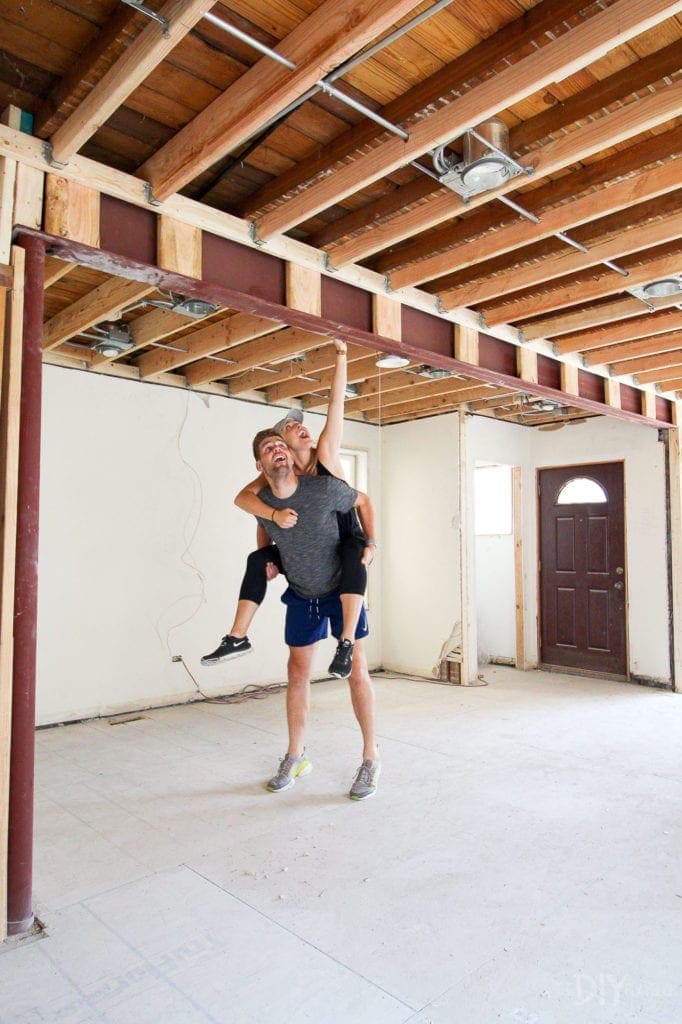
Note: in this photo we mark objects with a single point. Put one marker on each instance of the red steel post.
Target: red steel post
(20, 839)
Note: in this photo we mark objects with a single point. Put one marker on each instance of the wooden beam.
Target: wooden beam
(646, 326)
(655, 376)
(508, 40)
(645, 185)
(387, 317)
(179, 247)
(675, 499)
(270, 349)
(206, 341)
(55, 270)
(649, 404)
(566, 151)
(304, 289)
(358, 370)
(527, 364)
(519, 599)
(432, 404)
(375, 388)
(569, 379)
(336, 30)
(674, 384)
(8, 177)
(563, 56)
(650, 362)
(312, 362)
(100, 304)
(72, 210)
(9, 476)
(563, 323)
(136, 62)
(118, 31)
(519, 277)
(612, 392)
(573, 292)
(426, 390)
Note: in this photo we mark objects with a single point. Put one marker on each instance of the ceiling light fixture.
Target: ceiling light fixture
(352, 391)
(434, 372)
(485, 164)
(662, 289)
(390, 361)
(112, 339)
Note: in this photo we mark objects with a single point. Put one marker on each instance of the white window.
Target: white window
(354, 462)
(493, 500)
(581, 490)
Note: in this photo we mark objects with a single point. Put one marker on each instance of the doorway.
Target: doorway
(583, 584)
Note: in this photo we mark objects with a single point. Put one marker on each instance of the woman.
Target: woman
(356, 548)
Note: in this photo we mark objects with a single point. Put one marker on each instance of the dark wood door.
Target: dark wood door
(582, 568)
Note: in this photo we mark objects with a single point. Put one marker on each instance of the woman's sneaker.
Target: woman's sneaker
(342, 662)
(365, 784)
(230, 647)
(290, 769)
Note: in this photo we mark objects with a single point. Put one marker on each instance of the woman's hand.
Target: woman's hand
(368, 555)
(340, 346)
(285, 518)
(271, 571)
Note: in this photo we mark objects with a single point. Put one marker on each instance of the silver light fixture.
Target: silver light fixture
(112, 339)
(389, 361)
(662, 289)
(485, 163)
(434, 372)
(352, 391)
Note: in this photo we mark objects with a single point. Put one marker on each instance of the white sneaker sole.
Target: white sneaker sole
(292, 781)
(226, 657)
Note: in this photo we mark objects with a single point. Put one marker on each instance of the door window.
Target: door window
(581, 490)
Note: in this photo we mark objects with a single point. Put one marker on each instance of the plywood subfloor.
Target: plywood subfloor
(520, 863)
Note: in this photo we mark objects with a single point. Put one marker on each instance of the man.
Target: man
(310, 558)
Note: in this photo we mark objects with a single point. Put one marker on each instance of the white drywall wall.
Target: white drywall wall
(420, 551)
(119, 500)
(495, 597)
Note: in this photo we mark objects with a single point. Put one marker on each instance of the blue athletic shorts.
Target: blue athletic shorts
(308, 619)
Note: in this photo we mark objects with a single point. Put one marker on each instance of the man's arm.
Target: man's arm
(363, 504)
(248, 501)
(329, 444)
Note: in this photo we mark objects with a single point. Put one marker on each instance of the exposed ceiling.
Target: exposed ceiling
(591, 93)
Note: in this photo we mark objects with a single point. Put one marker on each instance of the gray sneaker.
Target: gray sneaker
(290, 769)
(365, 784)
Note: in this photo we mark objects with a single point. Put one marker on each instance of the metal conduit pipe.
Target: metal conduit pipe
(20, 839)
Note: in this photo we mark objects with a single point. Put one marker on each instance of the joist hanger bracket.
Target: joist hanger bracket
(327, 265)
(47, 153)
(149, 195)
(253, 233)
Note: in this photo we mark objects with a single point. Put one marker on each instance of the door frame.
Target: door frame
(548, 666)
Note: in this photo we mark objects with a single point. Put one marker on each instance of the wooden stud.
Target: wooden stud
(563, 56)
(466, 344)
(304, 289)
(569, 379)
(612, 392)
(179, 247)
(649, 404)
(72, 210)
(387, 317)
(675, 477)
(527, 364)
(517, 513)
(9, 475)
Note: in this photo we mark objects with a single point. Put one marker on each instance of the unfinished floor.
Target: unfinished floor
(522, 862)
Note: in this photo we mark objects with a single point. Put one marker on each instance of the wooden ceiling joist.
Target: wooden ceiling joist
(315, 361)
(644, 326)
(617, 355)
(358, 370)
(655, 363)
(207, 341)
(451, 78)
(564, 323)
(286, 343)
(607, 283)
(646, 185)
(562, 57)
(521, 276)
(104, 302)
(129, 71)
(335, 31)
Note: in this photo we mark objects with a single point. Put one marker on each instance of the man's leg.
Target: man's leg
(298, 695)
(362, 696)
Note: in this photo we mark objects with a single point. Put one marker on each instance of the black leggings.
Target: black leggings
(353, 572)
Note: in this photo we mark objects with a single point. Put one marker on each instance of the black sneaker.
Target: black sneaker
(230, 647)
(342, 662)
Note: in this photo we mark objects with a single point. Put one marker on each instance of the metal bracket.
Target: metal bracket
(149, 195)
(327, 264)
(253, 234)
(387, 284)
(148, 13)
(481, 320)
(47, 153)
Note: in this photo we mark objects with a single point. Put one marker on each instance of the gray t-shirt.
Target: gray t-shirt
(309, 550)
